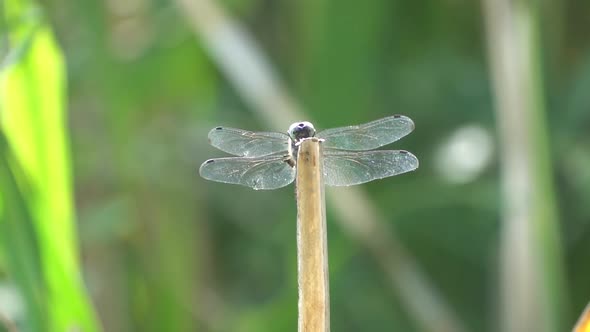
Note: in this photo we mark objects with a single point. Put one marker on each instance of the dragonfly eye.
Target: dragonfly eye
(301, 130)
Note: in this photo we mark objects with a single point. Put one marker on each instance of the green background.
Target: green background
(116, 150)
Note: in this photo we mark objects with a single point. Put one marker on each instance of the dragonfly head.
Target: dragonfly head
(301, 130)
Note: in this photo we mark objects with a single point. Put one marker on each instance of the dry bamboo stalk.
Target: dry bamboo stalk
(312, 250)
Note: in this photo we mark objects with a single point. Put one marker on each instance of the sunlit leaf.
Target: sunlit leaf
(32, 104)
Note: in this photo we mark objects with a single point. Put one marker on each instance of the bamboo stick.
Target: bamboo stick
(312, 251)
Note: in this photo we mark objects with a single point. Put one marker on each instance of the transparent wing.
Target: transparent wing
(346, 168)
(249, 144)
(367, 136)
(268, 172)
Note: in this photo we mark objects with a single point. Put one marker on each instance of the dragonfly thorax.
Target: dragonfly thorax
(301, 130)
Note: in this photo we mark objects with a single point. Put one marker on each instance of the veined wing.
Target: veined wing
(249, 144)
(346, 168)
(367, 136)
(267, 172)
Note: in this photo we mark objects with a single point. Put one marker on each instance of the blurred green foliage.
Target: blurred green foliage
(164, 250)
(39, 239)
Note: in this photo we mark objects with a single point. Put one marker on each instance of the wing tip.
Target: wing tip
(411, 156)
(406, 118)
(212, 133)
(205, 163)
(215, 129)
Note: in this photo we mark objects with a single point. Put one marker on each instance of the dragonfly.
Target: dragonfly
(268, 160)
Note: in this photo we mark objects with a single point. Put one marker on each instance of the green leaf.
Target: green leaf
(32, 116)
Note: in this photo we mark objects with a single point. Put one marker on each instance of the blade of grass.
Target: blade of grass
(32, 103)
(312, 247)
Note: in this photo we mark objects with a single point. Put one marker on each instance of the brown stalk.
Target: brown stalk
(312, 249)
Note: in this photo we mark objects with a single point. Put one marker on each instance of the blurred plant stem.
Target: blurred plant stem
(39, 233)
(583, 324)
(532, 280)
(244, 64)
(312, 241)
